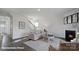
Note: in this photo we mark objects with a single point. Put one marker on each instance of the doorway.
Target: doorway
(5, 30)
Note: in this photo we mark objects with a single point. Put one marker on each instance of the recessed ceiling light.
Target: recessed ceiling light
(38, 9)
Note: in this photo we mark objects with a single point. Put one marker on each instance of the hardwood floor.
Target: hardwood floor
(19, 45)
(24, 47)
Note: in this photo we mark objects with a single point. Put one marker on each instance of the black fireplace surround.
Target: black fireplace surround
(70, 35)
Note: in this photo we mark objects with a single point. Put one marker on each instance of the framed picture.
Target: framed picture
(65, 20)
(75, 18)
(21, 25)
(69, 20)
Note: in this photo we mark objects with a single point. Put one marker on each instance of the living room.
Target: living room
(30, 24)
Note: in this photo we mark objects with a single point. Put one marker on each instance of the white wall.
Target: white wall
(18, 33)
(57, 26)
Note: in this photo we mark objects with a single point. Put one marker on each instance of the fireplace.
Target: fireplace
(70, 35)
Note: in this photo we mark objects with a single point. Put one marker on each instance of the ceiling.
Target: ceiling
(34, 11)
